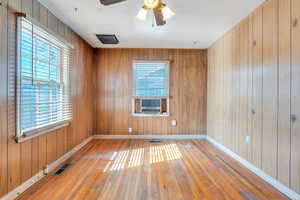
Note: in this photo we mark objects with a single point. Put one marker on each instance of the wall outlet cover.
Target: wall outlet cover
(130, 130)
(46, 170)
(174, 122)
(248, 139)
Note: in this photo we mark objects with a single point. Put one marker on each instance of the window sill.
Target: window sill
(42, 131)
(151, 115)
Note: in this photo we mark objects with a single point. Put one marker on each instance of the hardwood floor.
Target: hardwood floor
(138, 170)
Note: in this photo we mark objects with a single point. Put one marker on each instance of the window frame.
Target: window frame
(167, 83)
(22, 136)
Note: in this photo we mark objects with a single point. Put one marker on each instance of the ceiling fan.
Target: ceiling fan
(161, 11)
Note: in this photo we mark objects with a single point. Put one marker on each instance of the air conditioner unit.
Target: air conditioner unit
(150, 106)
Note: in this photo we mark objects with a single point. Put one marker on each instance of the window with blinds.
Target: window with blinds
(151, 87)
(43, 90)
(151, 79)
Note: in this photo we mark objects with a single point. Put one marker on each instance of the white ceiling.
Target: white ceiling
(197, 23)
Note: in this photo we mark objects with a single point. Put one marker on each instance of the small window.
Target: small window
(151, 88)
(43, 90)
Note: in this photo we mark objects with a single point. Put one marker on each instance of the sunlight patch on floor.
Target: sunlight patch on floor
(137, 157)
(120, 161)
(156, 154)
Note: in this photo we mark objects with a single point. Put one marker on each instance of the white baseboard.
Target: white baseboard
(24, 186)
(66, 156)
(27, 184)
(151, 137)
(279, 186)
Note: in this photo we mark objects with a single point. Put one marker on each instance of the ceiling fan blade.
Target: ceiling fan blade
(159, 17)
(110, 2)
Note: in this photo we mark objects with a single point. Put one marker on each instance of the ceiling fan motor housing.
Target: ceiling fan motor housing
(151, 3)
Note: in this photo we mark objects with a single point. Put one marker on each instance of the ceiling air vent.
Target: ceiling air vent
(110, 2)
(108, 39)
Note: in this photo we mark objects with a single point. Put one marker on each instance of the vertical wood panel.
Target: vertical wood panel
(35, 156)
(236, 89)
(26, 160)
(284, 104)
(244, 70)
(36, 9)
(250, 87)
(42, 152)
(270, 87)
(51, 147)
(174, 90)
(61, 28)
(14, 149)
(26, 7)
(60, 139)
(210, 89)
(219, 90)
(257, 73)
(52, 22)
(43, 16)
(295, 137)
(3, 98)
(228, 42)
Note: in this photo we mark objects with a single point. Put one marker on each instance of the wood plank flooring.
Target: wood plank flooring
(138, 170)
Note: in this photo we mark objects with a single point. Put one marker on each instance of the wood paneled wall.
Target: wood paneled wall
(114, 92)
(254, 90)
(19, 162)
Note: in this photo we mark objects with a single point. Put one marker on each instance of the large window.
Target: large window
(43, 90)
(151, 88)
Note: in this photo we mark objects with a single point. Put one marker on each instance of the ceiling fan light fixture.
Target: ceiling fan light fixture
(167, 12)
(142, 14)
(151, 3)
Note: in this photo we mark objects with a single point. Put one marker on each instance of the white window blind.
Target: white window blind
(43, 90)
(151, 79)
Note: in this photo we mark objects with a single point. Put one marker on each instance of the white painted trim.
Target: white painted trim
(24, 186)
(279, 186)
(40, 132)
(149, 137)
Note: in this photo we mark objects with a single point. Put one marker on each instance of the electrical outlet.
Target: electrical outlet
(46, 170)
(248, 139)
(129, 130)
(174, 122)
